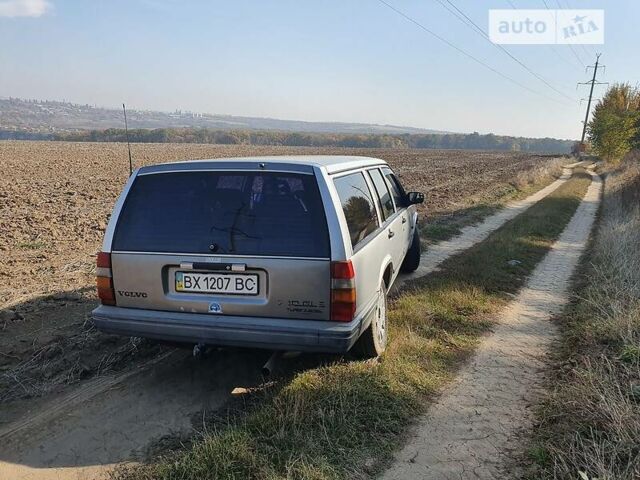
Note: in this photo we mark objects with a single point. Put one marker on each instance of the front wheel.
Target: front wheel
(411, 260)
(373, 341)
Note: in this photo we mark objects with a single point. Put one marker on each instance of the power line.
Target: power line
(552, 47)
(570, 46)
(576, 54)
(585, 48)
(461, 18)
(485, 35)
(561, 57)
(465, 53)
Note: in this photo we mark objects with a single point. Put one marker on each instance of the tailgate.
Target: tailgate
(245, 242)
(260, 287)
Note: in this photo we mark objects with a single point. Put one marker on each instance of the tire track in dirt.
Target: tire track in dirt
(474, 428)
(89, 390)
(83, 435)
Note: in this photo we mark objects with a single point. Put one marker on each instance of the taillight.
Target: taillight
(104, 280)
(343, 291)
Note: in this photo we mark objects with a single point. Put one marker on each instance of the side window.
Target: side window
(358, 206)
(399, 196)
(386, 204)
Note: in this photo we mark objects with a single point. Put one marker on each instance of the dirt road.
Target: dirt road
(473, 428)
(118, 418)
(473, 234)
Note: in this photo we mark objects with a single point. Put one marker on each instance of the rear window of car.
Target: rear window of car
(357, 205)
(237, 213)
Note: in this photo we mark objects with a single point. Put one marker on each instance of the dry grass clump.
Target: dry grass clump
(541, 173)
(591, 421)
(67, 359)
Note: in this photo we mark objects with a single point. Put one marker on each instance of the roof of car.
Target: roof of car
(332, 163)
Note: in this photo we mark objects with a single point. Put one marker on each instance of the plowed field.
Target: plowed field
(55, 200)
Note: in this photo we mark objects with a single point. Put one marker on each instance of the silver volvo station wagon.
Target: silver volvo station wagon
(284, 253)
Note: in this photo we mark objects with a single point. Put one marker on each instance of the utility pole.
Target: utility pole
(593, 82)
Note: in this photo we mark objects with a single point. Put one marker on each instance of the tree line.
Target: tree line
(24, 135)
(473, 141)
(614, 129)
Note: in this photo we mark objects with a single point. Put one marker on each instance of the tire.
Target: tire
(373, 341)
(412, 259)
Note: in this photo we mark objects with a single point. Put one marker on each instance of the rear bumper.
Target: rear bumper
(269, 333)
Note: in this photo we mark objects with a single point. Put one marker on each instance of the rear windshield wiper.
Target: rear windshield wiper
(233, 230)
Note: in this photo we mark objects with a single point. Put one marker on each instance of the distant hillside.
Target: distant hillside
(46, 116)
(48, 120)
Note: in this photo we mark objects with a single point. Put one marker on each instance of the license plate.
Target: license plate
(218, 283)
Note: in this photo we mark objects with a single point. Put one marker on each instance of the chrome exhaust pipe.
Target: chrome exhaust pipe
(269, 367)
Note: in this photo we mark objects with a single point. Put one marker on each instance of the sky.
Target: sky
(322, 60)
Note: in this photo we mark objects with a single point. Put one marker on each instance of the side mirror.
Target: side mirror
(415, 198)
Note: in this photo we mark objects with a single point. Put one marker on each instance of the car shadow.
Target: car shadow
(74, 397)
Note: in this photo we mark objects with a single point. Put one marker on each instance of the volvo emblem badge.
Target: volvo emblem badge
(215, 307)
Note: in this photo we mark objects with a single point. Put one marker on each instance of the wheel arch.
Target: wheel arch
(386, 271)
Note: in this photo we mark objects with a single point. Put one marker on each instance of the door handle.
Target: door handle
(391, 234)
(404, 219)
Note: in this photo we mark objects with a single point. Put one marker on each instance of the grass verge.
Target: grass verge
(445, 225)
(589, 425)
(344, 419)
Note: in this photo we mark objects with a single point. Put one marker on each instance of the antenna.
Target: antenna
(126, 130)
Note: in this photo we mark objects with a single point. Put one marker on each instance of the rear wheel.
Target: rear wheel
(412, 259)
(373, 341)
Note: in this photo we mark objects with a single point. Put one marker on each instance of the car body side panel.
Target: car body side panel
(340, 243)
(376, 252)
(367, 263)
(396, 242)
